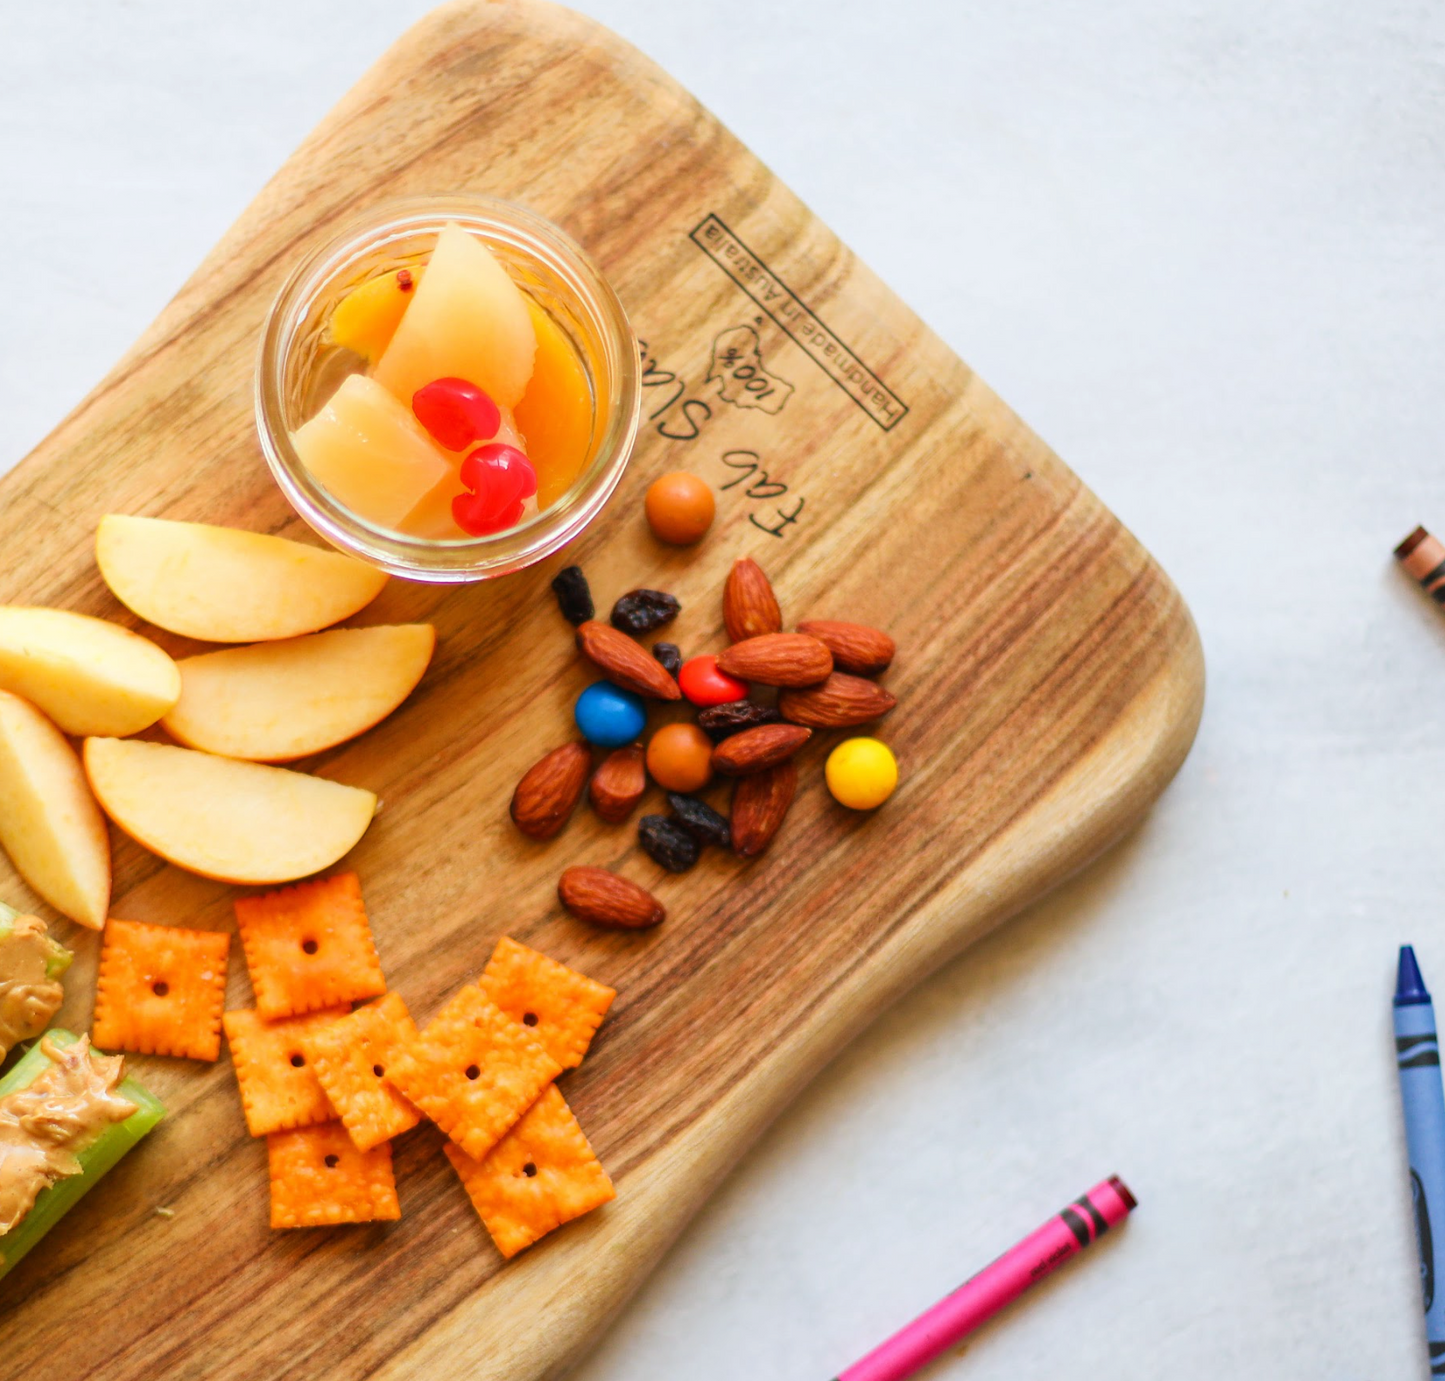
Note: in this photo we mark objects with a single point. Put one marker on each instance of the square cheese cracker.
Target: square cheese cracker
(160, 990)
(474, 1071)
(562, 1007)
(309, 947)
(351, 1057)
(542, 1174)
(279, 1088)
(319, 1178)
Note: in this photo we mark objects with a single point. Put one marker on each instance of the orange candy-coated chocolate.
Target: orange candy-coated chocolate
(679, 757)
(680, 508)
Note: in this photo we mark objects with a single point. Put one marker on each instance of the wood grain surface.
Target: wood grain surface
(1049, 678)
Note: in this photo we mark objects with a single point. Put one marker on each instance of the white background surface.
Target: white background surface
(1198, 246)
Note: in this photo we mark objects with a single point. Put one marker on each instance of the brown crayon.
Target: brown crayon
(1423, 556)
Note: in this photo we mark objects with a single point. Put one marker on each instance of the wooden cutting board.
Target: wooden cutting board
(1049, 677)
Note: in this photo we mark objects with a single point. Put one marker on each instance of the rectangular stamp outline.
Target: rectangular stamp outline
(806, 328)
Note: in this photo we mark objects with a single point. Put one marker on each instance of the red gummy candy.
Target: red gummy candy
(501, 468)
(475, 516)
(704, 684)
(469, 511)
(501, 478)
(456, 413)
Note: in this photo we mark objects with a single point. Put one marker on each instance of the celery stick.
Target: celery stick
(54, 1203)
(57, 958)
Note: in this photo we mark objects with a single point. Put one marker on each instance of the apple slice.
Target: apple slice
(49, 824)
(371, 452)
(467, 320)
(233, 821)
(276, 701)
(222, 585)
(89, 676)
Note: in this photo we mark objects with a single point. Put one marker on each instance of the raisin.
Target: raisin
(721, 720)
(700, 820)
(640, 611)
(667, 843)
(574, 597)
(670, 655)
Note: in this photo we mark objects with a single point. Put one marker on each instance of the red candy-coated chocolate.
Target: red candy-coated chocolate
(501, 479)
(704, 684)
(456, 413)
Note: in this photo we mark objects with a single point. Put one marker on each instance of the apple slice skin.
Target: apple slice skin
(278, 701)
(87, 675)
(223, 585)
(233, 821)
(49, 822)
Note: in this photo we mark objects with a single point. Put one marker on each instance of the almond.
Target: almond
(750, 608)
(594, 894)
(546, 795)
(759, 804)
(618, 784)
(754, 750)
(855, 646)
(840, 702)
(778, 659)
(625, 662)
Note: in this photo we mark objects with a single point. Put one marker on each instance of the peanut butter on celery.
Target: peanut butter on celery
(44, 1126)
(30, 991)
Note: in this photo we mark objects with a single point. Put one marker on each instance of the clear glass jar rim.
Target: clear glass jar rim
(497, 553)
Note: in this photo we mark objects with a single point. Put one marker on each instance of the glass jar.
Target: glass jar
(299, 369)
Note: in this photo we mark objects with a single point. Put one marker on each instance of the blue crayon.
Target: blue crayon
(1418, 1052)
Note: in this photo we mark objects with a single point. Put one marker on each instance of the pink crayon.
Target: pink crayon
(975, 1301)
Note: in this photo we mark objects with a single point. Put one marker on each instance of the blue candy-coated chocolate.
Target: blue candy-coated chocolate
(609, 716)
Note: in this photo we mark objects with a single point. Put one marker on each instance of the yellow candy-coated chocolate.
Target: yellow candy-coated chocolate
(862, 773)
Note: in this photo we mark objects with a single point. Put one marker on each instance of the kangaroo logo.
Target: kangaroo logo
(737, 369)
